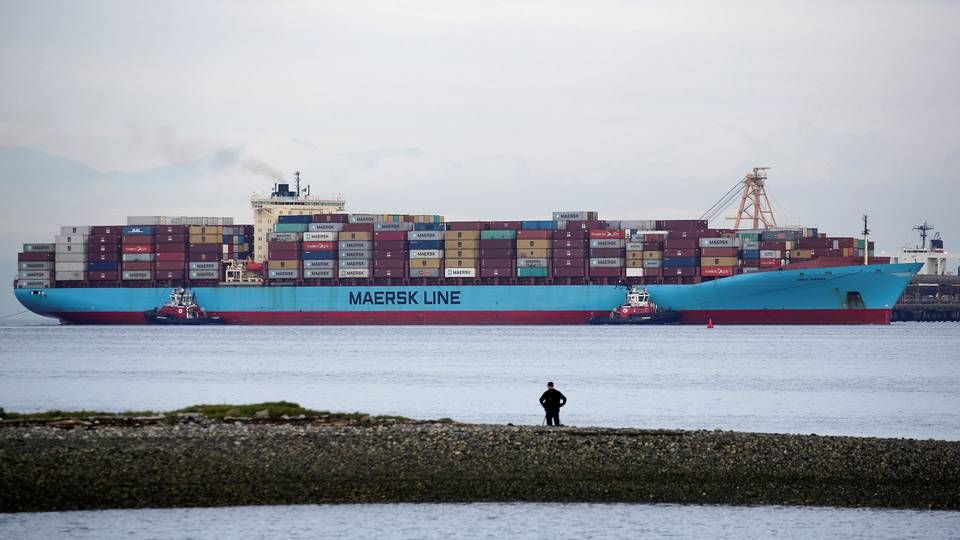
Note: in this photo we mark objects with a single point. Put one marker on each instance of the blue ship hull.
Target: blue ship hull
(834, 295)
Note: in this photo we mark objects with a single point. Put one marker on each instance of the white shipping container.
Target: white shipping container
(607, 243)
(137, 257)
(39, 248)
(61, 239)
(319, 264)
(749, 245)
(355, 245)
(70, 266)
(424, 272)
(770, 254)
(136, 275)
(33, 284)
(204, 274)
(532, 262)
(37, 265)
(284, 273)
(460, 273)
(572, 215)
(34, 274)
(325, 227)
(606, 262)
(75, 230)
(394, 226)
(425, 235)
(426, 254)
(639, 224)
(353, 273)
(71, 248)
(363, 218)
(145, 220)
(70, 276)
(283, 236)
(71, 257)
(634, 245)
(324, 236)
(634, 272)
(355, 263)
(205, 266)
(317, 273)
(356, 254)
(718, 242)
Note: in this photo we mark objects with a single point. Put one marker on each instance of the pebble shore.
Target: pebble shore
(199, 462)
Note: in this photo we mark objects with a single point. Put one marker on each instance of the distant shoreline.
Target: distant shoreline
(195, 461)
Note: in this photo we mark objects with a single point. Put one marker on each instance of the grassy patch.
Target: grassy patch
(214, 411)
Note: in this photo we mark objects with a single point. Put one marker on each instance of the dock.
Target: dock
(929, 299)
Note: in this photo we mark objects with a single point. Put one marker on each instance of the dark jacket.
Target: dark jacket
(553, 399)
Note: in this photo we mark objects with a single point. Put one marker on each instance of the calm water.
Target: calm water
(901, 380)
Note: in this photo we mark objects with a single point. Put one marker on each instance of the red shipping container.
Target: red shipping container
(275, 255)
(680, 243)
(111, 240)
(769, 263)
(570, 244)
(717, 271)
(390, 244)
(138, 239)
(283, 246)
(390, 254)
(171, 256)
(498, 253)
(358, 227)
(598, 234)
(717, 252)
(491, 272)
(814, 243)
(654, 237)
(681, 224)
(390, 263)
(466, 225)
(534, 235)
(750, 263)
(206, 248)
(171, 265)
(388, 272)
(111, 256)
(844, 242)
(605, 271)
(497, 263)
(652, 272)
(570, 235)
(163, 230)
(773, 244)
(504, 225)
(607, 252)
(169, 274)
(681, 253)
(170, 248)
(137, 266)
(389, 235)
(331, 218)
(34, 256)
(570, 253)
(317, 246)
(680, 271)
(203, 257)
(568, 262)
(104, 230)
(585, 225)
(138, 248)
(104, 248)
(497, 244)
(568, 271)
(103, 276)
(652, 246)
(172, 239)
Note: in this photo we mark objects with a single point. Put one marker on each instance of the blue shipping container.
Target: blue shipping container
(102, 267)
(429, 227)
(135, 230)
(323, 255)
(426, 244)
(677, 262)
(295, 219)
(537, 225)
(749, 254)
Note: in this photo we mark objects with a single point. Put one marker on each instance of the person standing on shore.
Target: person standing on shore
(552, 400)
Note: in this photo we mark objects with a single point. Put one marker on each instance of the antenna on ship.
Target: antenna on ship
(866, 242)
(754, 205)
(924, 228)
(296, 177)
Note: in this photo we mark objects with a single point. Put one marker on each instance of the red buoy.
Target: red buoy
(709, 322)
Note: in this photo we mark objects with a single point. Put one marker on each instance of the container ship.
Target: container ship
(305, 260)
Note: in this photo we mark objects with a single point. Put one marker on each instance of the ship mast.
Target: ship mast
(923, 228)
(866, 242)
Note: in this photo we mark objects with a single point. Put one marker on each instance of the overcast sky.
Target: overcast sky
(482, 110)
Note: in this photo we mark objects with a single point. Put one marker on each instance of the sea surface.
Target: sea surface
(901, 380)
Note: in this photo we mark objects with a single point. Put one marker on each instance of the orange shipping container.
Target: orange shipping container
(718, 261)
(461, 235)
(534, 244)
(277, 265)
(424, 263)
(460, 263)
(462, 244)
(461, 253)
(533, 253)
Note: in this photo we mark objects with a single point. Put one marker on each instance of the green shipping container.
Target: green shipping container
(749, 236)
(498, 235)
(532, 272)
(290, 227)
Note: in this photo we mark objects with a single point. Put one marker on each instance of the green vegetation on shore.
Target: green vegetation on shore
(274, 409)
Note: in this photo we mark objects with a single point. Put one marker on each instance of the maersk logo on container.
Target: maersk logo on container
(404, 298)
(425, 235)
(718, 242)
(427, 254)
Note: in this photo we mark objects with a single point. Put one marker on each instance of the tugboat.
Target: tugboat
(181, 309)
(638, 309)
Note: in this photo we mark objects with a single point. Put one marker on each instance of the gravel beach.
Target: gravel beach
(198, 462)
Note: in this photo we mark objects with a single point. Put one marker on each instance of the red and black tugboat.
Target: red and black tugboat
(638, 309)
(182, 310)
